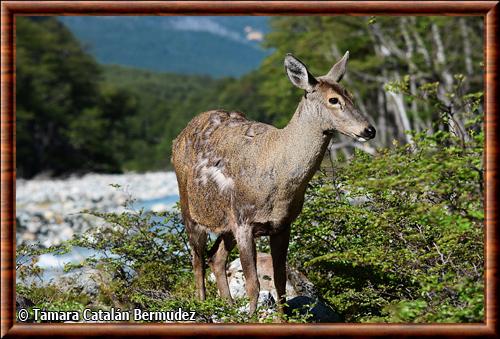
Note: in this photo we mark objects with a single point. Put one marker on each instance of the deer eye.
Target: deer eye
(333, 101)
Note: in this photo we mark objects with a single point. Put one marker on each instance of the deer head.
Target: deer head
(326, 102)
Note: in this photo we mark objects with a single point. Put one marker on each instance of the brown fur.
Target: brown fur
(241, 179)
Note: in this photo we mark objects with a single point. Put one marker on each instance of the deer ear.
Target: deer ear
(298, 73)
(338, 70)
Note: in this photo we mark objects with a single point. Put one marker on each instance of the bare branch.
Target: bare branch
(401, 115)
(464, 31)
(420, 43)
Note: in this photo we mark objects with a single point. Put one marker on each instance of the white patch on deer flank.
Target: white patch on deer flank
(234, 115)
(201, 163)
(215, 173)
(216, 120)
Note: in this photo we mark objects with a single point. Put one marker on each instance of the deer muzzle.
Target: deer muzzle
(367, 134)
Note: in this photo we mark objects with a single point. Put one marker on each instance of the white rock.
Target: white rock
(28, 236)
(40, 201)
(66, 233)
(48, 215)
(32, 226)
(297, 283)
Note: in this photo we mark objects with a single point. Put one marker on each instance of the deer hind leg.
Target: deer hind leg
(246, 246)
(217, 261)
(198, 242)
(279, 249)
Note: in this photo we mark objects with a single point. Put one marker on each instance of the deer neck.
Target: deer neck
(302, 143)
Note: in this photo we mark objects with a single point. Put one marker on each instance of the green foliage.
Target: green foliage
(52, 297)
(395, 237)
(66, 122)
(452, 105)
(398, 237)
(167, 102)
(142, 253)
(27, 259)
(49, 296)
(321, 40)
(141, 260)
(74, 115)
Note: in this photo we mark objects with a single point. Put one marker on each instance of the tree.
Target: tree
(383, 50)
(62, 116)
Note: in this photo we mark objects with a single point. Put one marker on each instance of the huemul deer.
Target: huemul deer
(241, 179)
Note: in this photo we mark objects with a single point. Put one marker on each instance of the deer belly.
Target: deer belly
(275, 217)
(289, 210)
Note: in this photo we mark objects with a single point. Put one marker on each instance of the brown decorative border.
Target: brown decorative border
(9, 9)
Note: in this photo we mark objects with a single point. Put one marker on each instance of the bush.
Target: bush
(398, 237)
(141, 260)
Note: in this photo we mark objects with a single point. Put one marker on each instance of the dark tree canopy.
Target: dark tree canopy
(74, 115)
(66, 121)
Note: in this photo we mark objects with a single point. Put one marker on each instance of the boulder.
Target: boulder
(297, 283)
(86, 281)
(23, 302)
(301, 294)
(318, 311)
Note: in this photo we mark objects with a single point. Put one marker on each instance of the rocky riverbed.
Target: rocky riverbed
(48, 211)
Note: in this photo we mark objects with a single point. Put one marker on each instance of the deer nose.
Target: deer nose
(369, 132)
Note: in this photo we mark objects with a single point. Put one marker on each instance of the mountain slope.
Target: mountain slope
(216, 46)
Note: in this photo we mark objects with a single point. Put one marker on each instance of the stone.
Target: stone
(45, 200)
(48, 215)
(32, 225)
(86, 281)
(44, 229)
(159, 207)
(300, 292)
(28, 236)
(66, 233)
(48, 242)
(319, 311)
(297, 283)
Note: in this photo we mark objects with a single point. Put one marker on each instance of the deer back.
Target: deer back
(216, 158)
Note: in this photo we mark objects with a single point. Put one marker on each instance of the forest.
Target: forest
(395, 226)
(114, 119)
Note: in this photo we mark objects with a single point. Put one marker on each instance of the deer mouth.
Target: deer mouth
(361, 139)
(355, 136)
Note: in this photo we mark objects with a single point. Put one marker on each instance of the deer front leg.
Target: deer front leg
(217, 261)
(279, 249)
(248, 258)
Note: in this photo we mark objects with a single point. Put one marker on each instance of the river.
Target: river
(48, 210)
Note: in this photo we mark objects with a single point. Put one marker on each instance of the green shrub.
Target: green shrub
(141, 260)
(398, 237)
